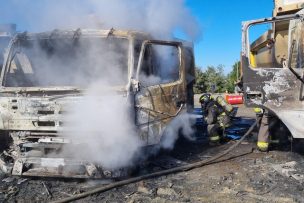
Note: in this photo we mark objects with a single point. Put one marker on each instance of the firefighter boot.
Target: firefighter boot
(214, 134)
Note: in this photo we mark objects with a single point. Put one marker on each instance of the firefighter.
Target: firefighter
(216, 112)
(263, 135)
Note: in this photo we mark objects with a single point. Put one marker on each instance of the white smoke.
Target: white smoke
(158, 17)
(101, 120)
(182, 125)
(102, 123)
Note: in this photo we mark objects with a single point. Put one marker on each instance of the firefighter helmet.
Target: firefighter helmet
(205, 98)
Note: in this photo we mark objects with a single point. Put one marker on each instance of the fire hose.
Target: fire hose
(187, 167)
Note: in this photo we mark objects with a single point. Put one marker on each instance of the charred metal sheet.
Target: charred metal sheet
(293, 119)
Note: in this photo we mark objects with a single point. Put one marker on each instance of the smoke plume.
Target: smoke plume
(101, 122)
(158, 17)
(180, 126)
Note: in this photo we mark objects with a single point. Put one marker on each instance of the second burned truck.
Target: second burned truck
(273, 64)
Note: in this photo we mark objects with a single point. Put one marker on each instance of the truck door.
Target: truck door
(273, 70)
(162, 88)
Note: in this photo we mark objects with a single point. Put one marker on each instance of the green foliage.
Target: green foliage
(212, 76)
(215, 77)
(200, 81)
(232, 77)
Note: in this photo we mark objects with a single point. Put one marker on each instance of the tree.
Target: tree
(232, 77)
(200, 79)
(211, 80)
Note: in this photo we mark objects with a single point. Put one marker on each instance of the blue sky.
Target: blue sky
(220, 21)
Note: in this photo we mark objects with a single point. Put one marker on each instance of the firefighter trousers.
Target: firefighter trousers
(263, 136)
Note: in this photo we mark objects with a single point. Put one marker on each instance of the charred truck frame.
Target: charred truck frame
(31, 110)
(273, 65)
(6, 33)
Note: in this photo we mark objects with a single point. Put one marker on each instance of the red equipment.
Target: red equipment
(234, 99)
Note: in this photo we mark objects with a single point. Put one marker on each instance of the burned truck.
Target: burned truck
(43, 73)
(272, 64)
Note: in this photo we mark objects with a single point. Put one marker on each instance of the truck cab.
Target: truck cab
(43, 73)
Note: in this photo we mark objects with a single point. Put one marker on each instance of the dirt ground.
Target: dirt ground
(245, 175)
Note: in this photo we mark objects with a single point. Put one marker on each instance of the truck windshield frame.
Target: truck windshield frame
(153, 78)
(246, 38)
(66, 61)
